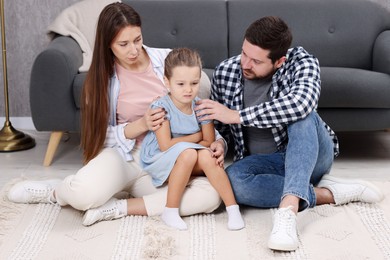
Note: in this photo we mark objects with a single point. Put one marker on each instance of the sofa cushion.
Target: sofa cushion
(354, 88)
(381, 59)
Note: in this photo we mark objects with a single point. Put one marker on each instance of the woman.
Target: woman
(134, 74)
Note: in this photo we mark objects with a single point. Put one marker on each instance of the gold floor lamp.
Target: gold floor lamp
(10, 138)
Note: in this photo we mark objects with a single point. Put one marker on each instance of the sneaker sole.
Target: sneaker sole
(352, 181)
(282, 247)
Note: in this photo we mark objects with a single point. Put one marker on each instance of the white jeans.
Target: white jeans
(108, 174)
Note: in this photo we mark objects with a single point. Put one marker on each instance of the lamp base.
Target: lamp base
(13, 140)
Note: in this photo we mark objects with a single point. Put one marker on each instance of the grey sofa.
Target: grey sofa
(354, 55)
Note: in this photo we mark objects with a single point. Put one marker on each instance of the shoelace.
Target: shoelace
(42, 195)
(110, 213)
(284, 220)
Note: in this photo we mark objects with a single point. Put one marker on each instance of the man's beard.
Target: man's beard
(266, 77)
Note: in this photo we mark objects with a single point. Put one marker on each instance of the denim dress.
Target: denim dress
(157, 163)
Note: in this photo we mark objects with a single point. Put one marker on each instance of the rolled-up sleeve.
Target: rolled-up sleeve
(115, 138)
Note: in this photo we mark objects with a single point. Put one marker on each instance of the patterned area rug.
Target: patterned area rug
(45, 231)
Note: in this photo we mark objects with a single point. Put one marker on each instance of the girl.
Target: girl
(179, 148)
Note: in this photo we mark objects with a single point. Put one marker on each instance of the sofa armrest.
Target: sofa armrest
(51, 86)
(381, 53)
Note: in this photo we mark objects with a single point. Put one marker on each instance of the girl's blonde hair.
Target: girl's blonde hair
(181, 57)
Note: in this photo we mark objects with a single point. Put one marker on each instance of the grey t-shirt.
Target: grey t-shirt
(258, 140)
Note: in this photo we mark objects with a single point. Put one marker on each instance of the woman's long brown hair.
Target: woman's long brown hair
(95, 95)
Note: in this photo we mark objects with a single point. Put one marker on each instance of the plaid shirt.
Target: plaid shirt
(294, 94)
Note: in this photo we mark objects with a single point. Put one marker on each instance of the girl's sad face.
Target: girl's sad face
(183, 84)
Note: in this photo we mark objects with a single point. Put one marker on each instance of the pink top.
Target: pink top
(137, 91)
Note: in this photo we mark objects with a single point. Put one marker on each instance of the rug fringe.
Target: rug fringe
(9, 211)
(158, 244)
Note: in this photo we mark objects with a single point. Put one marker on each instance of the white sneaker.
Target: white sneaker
(33, 191)
(108, 211)
(350, 190)
(284, 235)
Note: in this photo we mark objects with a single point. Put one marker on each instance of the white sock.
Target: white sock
(235, 221)
(172, 218)
(122, 206)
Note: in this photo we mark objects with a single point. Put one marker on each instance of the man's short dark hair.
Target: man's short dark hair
(270, 33)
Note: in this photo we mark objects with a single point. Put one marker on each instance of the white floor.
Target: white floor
(363, 154)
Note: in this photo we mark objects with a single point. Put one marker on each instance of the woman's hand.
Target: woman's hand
(154, 118)
(218, 151)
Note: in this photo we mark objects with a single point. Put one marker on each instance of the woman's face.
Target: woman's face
(127, 46)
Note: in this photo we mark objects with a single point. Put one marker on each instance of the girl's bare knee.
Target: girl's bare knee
(205, 158)
(188, 156)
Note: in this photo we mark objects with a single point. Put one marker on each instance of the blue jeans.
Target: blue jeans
(262, 180)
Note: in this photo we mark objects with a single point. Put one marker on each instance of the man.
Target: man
(265, 100)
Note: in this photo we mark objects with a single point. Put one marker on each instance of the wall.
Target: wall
(26, 23)
(25, 28)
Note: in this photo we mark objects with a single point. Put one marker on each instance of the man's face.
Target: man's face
(255, 63)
